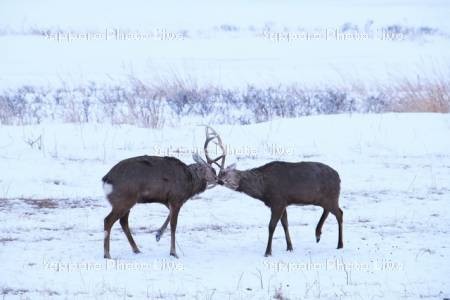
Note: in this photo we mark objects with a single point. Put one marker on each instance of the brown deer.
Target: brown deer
(279, 184)
(154, 179)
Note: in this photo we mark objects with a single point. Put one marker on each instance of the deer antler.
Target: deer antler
(211, 134)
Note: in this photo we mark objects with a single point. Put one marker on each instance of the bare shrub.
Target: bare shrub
(375, 103)
(112, 101)
(13, 105)
(146, 105)
(332, 101)
(153, 103)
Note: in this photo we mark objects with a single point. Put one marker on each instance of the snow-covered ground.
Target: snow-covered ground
(395, 171)
(222, 43)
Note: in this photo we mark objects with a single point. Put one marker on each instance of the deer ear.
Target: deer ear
(197, 158)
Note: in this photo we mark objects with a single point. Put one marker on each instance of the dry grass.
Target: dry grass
(429, 94)
(41, 203)
(50, 203)
(422, 96)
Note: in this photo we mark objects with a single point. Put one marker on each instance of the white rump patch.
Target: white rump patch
(108, 188)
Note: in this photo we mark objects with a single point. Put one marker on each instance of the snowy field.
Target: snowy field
(222, 43)
(395, 171)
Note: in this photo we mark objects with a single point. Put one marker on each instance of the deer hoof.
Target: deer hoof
(289, 248)
(340, 246)
(107, 256)
(158, 235)
(267, 254)
(136, 251)
(317, 238)
(174, 255)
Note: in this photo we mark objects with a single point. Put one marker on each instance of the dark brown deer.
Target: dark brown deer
(154, 179)
(279, 184)
(211, 135)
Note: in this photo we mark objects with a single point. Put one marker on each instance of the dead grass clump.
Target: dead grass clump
(7, 240)
(41, 203)
(211, 227)
(429, 95)
(11, 291)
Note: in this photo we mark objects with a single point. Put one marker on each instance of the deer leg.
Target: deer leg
(108, 223)
(320, 224)
(284, 222)
(339, 217)
(126, 230)
(275, 216)
(174, 210)
(161, 230)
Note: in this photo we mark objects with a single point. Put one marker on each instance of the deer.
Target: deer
(279, 184)
(155, 179)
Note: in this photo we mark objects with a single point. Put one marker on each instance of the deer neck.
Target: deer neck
(198, 180)
(251, 183)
